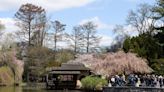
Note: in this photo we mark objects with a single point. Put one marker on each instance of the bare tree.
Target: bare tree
(31, 20)
(41, 28)
(91, 40)
(58, 32)
(120, 35)
(26, 21)
(141, 19)
(75, 39)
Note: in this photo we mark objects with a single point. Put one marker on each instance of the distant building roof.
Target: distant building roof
(69, 67)
(65, 72)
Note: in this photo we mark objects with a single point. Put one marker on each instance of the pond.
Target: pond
(20, 89)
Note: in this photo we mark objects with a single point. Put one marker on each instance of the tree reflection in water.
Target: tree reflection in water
(20, 89)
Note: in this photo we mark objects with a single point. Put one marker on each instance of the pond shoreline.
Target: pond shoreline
(28, 89)
(42, 86)
(105, 89)
(132, 89)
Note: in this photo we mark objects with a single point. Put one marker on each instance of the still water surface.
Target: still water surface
(20, 89)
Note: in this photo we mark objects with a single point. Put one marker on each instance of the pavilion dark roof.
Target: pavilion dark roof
(65, 72)
(70, 67)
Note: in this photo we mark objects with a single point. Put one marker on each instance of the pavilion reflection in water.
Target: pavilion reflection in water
(66, 76)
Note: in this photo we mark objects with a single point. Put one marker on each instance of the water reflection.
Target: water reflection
(20, 89)
(11, 89)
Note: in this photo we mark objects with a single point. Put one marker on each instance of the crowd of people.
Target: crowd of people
(137, 81)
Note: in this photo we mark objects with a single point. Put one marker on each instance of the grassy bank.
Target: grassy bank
(6, 76)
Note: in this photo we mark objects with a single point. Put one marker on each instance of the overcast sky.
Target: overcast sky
(105, 13)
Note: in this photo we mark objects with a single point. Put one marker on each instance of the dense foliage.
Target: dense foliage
(93, 83)
(39, 58)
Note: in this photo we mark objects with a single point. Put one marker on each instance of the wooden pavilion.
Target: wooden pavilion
(66, 76)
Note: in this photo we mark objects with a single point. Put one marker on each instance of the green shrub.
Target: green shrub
(158, 66)
(6, 76)
(93, 83)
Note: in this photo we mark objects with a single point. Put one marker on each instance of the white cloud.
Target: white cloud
(130, 30)
(9, 24)
(125, 30)
(98, 22)
(106, 40)
(50, 5)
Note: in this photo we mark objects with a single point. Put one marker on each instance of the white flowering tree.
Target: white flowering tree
(114, 63)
